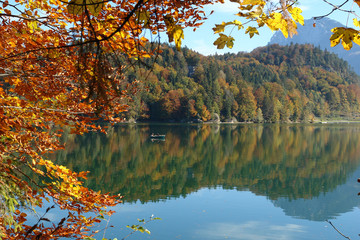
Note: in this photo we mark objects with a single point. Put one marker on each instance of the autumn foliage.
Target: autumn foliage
(62, 63)
(284, 15)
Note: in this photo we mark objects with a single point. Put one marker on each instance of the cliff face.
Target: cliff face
(319, 37)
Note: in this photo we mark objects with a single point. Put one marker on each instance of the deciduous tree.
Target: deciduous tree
(62, 63)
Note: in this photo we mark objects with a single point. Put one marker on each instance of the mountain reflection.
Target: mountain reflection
(282, 162)
(325, 206)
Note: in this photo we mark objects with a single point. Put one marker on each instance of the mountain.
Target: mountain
(319, 36)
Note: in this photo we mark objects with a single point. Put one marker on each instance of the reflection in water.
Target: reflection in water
(286, 163)
(325, 206)
(250, 230)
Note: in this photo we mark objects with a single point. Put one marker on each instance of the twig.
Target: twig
(338, 230)
(42, 218)
(335, 8)
(137, 227)
(106, 227)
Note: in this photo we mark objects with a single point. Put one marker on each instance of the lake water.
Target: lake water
(226, 181)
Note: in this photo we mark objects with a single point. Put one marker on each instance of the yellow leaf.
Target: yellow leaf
(257, 12)
(356, 22)
(239, 24)
(178, 34)
(76, 7)
(245, 8)
(219, 27)
(95, 6)
(296, 14)
(63, 25)
(174, 32)
(347, 44)
(223, 41)
(143, 17)
(12, 44)
(33, 26)
(252, 2)
(346, 36)
(335, 38)
(251, 31)
(276, 22)
(357, 39)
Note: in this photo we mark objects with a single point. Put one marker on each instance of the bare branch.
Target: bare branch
(335, 8)
(338, 230)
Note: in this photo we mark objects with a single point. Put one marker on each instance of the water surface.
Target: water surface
(226, 181)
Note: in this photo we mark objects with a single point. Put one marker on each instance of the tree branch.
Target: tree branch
(104, 38)
(48, 109)
(335, 8)
(338, 230)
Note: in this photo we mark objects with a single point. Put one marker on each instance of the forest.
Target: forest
(295, 83)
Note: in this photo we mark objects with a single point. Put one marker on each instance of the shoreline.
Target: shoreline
(243, 123)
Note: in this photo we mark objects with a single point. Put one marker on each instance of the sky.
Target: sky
(202, 39)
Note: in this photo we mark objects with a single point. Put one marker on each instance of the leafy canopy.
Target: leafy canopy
(62, 65)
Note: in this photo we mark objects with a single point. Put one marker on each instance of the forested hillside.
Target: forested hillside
(270, 84)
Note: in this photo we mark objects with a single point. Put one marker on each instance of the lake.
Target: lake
(226, 181)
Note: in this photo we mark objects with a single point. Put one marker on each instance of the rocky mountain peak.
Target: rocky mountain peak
(319, 36)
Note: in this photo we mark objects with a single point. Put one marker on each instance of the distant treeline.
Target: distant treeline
(270, 84)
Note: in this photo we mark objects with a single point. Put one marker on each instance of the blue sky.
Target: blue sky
(202, 39)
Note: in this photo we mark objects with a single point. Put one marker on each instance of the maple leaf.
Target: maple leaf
(224, 40)
(175, 32)
(251, 31)
(346, 36)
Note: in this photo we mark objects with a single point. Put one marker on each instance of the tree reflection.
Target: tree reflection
(277, 161)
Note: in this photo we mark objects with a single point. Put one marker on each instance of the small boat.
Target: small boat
(157, 136)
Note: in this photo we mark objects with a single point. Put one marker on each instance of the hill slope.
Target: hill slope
(273, 83)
